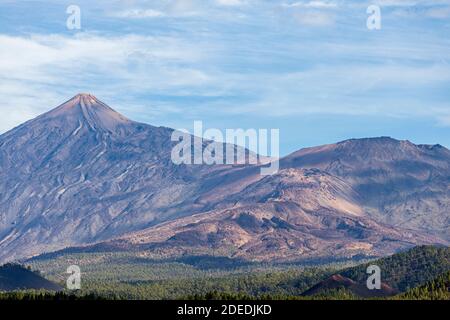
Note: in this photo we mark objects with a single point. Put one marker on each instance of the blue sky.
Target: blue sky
(310, 68)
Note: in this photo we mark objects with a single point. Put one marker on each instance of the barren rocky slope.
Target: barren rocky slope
(298, 214)
(400, 183)
(83, 174)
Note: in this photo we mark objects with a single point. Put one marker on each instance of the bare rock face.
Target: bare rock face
(400, 183)
(298, 214)
(83, 174)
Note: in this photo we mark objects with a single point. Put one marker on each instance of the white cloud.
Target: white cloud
(444, 120)
(254, 66)
(20, 54)
(312, 13)
(37, 72)
(438, 13)
(140, 13)
(312, 4)
(179, 9)
(348, 90)
(161, 9)
(314, 18)
(396, 3)
(230, 2)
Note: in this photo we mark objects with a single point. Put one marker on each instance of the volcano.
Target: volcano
(83, 175)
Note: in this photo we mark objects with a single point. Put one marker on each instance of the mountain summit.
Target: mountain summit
(82, 174)
(85, 110)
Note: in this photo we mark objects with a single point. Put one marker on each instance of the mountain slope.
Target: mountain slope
(437, 289)
(83, 175)
(293, 215)
(401, 184)
(15, 277)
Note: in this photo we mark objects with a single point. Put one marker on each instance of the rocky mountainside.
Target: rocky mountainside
(297, 214)
(400, 183)
(82, 174)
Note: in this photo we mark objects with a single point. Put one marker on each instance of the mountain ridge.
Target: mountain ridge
(107, 175)
(82, 174)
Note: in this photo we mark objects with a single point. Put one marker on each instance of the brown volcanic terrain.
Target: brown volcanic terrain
(293, 215)
(83, 174)
(400, 183)
(338, 281)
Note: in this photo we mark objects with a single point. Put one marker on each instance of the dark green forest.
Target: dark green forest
(437, 289)
(419, 273)
(407, 269)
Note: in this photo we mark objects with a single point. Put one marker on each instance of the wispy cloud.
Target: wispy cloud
(311, 4)
(439, 13)
(230, 2)
(139, 13)
(42, 69)
(177, 8)
(171, 61)
(312, 13)
(314, 18)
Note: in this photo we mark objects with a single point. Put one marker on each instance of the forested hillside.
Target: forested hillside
(127, 276)
(16, 277)
(437, 289)
(407, 269)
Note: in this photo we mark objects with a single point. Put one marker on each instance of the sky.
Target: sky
(312, 69)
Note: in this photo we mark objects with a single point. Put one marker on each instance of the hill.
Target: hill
(407, 269)
(15, 277)
(399, 273)
(437, 289)
(339, 282)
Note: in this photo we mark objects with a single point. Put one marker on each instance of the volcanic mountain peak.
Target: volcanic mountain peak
(84, 110)
(86, 102)
(382, 139)
(377, 142)
(382, 147)
(366, 151)
(82, 174)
